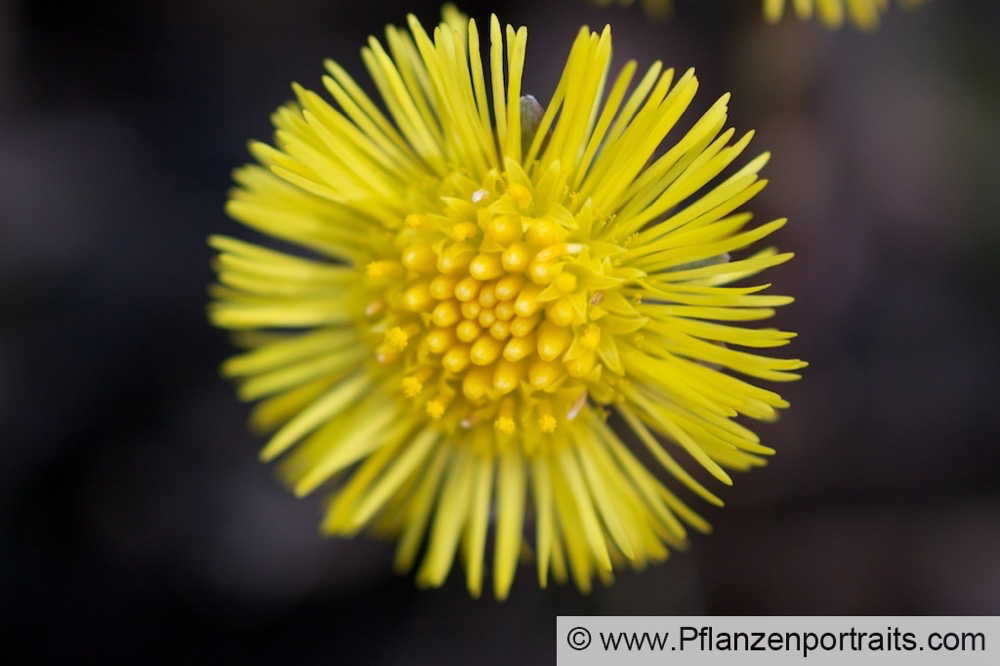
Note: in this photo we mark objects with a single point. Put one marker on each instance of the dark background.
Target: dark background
(135, 520)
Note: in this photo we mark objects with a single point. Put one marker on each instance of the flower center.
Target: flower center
(487, 312)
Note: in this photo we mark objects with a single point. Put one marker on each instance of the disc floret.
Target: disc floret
(494, 312)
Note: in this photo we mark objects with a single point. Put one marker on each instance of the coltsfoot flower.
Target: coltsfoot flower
(485, 293)
(660, 8)
(864, 14)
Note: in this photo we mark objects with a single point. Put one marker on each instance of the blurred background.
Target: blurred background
(135, 520)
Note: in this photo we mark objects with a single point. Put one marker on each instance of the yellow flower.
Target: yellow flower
(862, 13)
(659, 8)
(477, 306)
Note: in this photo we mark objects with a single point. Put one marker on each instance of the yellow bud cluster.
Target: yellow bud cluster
(489, 305)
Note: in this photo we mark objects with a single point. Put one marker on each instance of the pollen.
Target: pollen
(411, 387)
(396, 338)
(435, 409)
(504, 425)
(415, 221)
(546, 420)
(547, 423)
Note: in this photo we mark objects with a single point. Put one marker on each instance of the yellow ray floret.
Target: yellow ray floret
(491, 293)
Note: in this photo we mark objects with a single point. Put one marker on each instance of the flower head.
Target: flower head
(862, 13)
(655, 8)
(487, 291)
